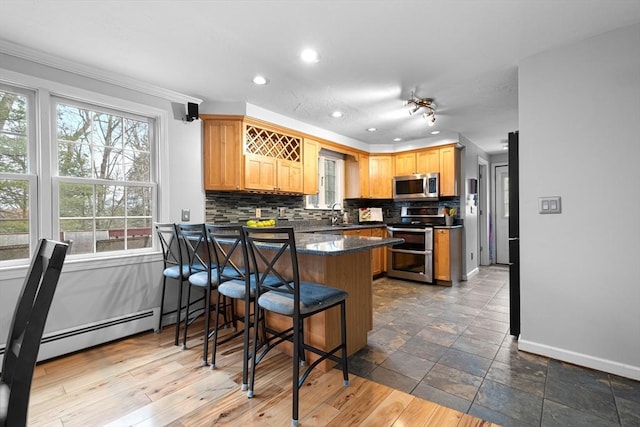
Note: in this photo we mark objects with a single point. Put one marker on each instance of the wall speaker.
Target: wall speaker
(192, 111)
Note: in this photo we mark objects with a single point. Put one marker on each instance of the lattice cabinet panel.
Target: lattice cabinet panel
(264, 142)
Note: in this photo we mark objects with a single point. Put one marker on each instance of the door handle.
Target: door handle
(511, 239)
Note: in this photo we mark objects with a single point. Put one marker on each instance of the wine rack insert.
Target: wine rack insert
(268, 143)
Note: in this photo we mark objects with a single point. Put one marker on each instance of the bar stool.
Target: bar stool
(274, 251)
(231, 256)
(203, 276)
(174, 268)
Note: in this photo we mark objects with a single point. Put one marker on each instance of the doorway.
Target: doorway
(502, 213)
(483, 211)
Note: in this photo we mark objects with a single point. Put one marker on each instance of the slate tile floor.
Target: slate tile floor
(451, 346)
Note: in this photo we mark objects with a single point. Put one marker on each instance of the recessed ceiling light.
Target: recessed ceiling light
(397, 139)
(371, 129)
(435, 132)
(336, 114)
(260, 80)
(309, 55)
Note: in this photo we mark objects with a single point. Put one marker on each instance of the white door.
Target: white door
(502, 214)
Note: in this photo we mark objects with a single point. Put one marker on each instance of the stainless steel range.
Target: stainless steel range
(413, 260)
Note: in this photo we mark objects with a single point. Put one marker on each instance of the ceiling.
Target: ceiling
(462, 53)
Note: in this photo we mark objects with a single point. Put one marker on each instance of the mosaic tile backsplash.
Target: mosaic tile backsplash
(233, 207)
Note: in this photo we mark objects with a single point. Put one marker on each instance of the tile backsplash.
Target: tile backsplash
(233, 207)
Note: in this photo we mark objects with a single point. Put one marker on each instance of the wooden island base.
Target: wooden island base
(350, 272)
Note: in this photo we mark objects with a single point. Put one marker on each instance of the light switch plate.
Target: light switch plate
(549, 205)
(186, 215)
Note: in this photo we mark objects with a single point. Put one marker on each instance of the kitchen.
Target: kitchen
(585, 330)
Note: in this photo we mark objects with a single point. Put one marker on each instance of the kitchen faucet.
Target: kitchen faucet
(334, 217)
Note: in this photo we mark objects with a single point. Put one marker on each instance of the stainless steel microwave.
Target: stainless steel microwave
(418, 186)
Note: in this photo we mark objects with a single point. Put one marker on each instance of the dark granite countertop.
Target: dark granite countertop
(332, 244)
(330, 228)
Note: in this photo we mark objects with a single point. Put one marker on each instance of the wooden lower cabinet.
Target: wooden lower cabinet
(447, 257)
(379, 260)
(378, 255)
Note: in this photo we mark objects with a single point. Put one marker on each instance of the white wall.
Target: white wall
(469, 212)
(90, 292)
(579, 116)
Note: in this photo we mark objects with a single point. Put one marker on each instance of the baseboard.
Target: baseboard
(471, 273)
(66, 341)
(609, 366)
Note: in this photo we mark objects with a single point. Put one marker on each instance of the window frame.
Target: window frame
(31, 177)
(44, 89)
(340, 180)
(57, 179)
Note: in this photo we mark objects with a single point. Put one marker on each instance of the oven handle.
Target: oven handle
(410, 230)
(406, 251)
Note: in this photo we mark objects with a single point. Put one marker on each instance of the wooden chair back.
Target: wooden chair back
(25, 332)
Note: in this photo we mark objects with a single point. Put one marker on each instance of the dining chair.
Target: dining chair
(25, 332)
(175, 268)
(273, 254)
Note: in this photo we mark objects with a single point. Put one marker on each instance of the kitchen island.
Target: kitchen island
(343, 262)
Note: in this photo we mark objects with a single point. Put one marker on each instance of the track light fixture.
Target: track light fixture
(415, 104)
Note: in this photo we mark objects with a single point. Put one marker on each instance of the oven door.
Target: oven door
(413, 259)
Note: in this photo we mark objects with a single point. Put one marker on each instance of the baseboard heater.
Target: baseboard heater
(88, 335)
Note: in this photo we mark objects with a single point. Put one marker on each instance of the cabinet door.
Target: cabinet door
(428, 161)
(378, 263)
(442, 270)
(405, 164)
(310, 167)
(363, 166)
(380, 176)
(448, 178)
(259, 172)
(289, 176)
(222, 154)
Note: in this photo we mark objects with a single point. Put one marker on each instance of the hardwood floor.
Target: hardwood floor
(146, 381)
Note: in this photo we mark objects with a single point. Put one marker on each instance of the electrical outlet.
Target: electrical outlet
(258, 212)
(186, 215)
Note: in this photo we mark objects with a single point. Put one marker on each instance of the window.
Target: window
(505, 194)
(330, 181)
(103, 189)
(17, 178)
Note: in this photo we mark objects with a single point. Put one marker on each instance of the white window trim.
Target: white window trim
(45, 90)
(31, 177)
(340, 178)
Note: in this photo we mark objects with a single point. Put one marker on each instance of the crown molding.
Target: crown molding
(49, 60)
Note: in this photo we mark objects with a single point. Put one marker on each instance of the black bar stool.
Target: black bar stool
(273, 250)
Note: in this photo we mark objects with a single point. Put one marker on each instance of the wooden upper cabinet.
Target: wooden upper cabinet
(423, 161)
(289, 176)
(449, 170)
(241, 154)
(428, 161)
(405, 164)
(357, 177)
(260, 172)
(310, 168)
(381, 172)
(222, 154)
